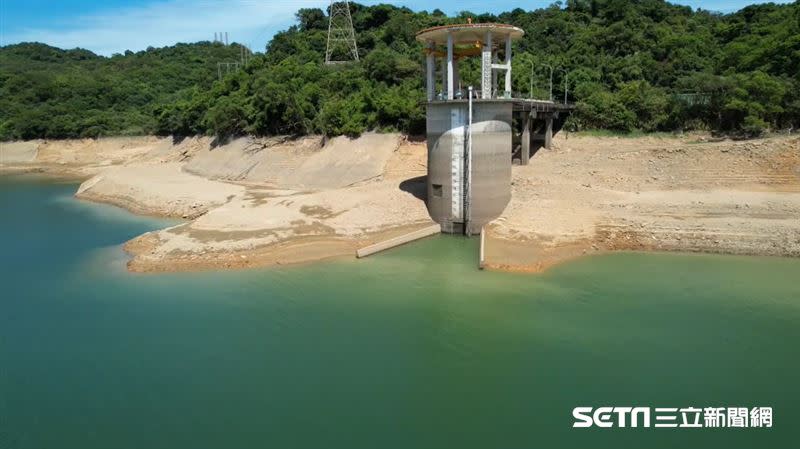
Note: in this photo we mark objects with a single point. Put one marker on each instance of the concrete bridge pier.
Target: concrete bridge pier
(525, 151)
(537, 132)
(548, 132)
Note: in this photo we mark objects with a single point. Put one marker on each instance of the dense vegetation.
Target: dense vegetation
(48, 92)
(632, 65)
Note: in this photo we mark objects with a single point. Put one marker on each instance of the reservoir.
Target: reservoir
(414, 348)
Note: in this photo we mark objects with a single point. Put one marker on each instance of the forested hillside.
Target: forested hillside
(631, 65)
(49, 92)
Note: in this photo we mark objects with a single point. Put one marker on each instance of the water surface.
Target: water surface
(414, 348)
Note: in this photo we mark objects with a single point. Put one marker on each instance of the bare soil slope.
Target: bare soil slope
(255, 202)
(676, 194)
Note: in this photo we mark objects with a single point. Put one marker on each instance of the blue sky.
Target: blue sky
(113, 26)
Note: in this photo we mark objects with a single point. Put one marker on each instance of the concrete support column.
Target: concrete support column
(450, 86)
(525, 153)
(548, 133)
(486, 68)
(444, 78)
(431, 72)
(508, 65)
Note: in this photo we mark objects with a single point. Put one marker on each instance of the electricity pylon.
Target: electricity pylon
(341, 35)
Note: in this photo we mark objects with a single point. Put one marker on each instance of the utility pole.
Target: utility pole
(566, 84)
(341, 35)
(530, 94)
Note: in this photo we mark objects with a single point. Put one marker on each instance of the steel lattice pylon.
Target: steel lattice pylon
(341, 35)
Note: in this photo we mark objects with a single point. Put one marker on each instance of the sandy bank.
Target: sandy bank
(82, 158)
(264, 227)
(306, 164)
(249, 202)
(208, 252)
(18, 153)
(664, 194)
(256, 202)
(158, 189)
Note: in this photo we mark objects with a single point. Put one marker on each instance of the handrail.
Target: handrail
(477, 94)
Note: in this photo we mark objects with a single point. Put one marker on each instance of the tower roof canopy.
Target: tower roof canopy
(469, 33)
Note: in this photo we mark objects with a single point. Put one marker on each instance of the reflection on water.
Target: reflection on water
(412, 348)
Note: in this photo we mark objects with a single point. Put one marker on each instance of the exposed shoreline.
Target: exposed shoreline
(263, 202)
(689, 194)
(42, 171)
(296, 251)
(246, 203)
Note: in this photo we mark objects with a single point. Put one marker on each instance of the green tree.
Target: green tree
(644, 64)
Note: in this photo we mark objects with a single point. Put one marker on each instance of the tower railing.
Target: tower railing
(477, 94)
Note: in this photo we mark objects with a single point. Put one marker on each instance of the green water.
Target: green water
(410, 349)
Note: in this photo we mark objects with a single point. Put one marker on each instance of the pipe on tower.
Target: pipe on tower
(508, 65)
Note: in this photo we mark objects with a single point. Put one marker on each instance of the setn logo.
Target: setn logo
(611, 416)
(708, 417)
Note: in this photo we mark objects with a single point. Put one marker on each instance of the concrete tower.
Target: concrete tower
(471, 131)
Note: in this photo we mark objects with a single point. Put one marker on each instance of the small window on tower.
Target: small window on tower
(437, 190)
